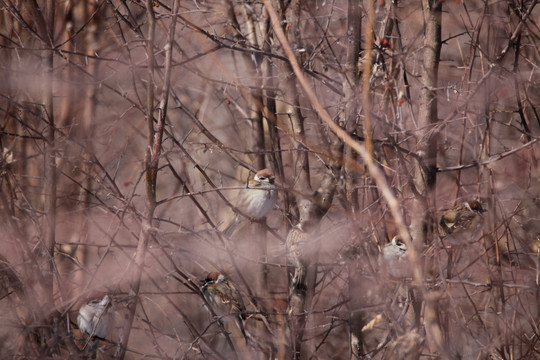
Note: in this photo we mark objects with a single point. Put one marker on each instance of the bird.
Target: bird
(256, 200)
(395, 260)
(302, 252)
(463, 223)
(296, 241)
(94, 318)
(224, 299)
(396, 288)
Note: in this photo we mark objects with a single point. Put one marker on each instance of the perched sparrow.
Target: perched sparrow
(255, 201)
(297, 239)
(302, 251)
(94, 317)
(463, 223)
(395, 260)
(224, 298)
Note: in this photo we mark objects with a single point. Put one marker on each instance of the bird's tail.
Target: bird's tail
(229, 230)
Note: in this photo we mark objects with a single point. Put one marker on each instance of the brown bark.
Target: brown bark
(425, 172)
(425, 177)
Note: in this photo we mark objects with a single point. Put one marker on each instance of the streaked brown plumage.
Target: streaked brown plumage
(225, 300)
(463, 223)
(297, 240)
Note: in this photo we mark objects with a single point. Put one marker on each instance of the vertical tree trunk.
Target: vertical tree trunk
(290, 100)
(425, 172)
(311, 205)
(350, 89)
(425, 177)
(294, 121)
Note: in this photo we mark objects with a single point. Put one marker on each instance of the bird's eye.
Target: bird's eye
(401, 244)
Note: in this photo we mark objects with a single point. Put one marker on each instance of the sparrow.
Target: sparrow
(224, 299)
(94, 318)
(463, 223)
(297, 239)
(256, 200)
(302, 252)
(395, 260)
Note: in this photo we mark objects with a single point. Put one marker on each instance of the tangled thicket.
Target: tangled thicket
(128, 126)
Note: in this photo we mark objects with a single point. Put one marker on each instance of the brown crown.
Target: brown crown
(476, 205)
(212, 276)
(266, 173)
